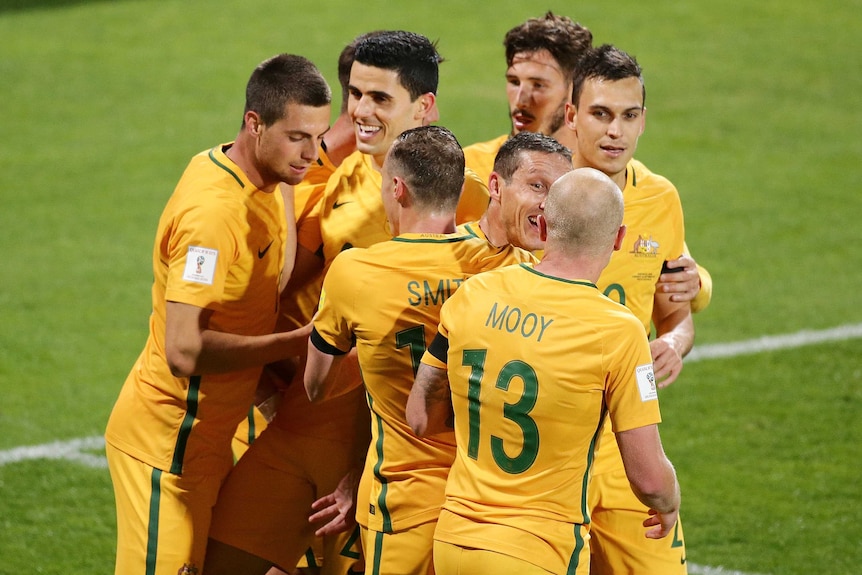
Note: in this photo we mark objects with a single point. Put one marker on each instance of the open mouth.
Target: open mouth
(521, 119)
(367, 131)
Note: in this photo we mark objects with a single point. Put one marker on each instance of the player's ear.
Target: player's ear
(621, 234)
(426, 111)
(494, 186)
(399, 190)
(571, 115)
(253, 123)
(643, 121)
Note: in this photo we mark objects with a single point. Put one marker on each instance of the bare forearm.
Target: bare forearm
(674, 324)
(221, 352)
(429, 403)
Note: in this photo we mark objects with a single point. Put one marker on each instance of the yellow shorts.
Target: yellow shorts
(619, 543)
(407, 552)
(264, 505)
(246, 432)
(452, 559)
(162, 519)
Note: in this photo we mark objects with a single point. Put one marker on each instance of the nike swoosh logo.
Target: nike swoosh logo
(682, 561)
(338, 204)
(262, 252)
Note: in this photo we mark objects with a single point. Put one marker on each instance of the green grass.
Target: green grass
(753, 113)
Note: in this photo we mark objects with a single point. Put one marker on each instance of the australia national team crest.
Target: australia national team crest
(645, 247)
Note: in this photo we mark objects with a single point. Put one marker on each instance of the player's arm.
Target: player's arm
(651, 476)
(322, 366)
(429, 404)
(429, 407)
(192, 348)
(674, 330)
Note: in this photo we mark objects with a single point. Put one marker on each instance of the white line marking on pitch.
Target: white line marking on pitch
(71, 450)
(694, 569)
(774, 342)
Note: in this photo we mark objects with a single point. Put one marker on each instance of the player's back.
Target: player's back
(534, 362)
(389, 298)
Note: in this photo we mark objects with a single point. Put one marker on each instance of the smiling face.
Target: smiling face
(286, 149)
(522, 198)
(538, 92)
(607, 122)
(381, 109)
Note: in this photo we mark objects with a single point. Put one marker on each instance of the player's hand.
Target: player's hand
(662, 523)
(683, 285)
(666, 361)
(338, 509)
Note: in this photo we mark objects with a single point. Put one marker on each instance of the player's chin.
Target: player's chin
(293, 175)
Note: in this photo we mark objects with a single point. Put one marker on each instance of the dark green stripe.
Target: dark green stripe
(153, 525)
(378, 551)
(186, 427)
(310, 558)
(347, 550)
(591, 455)
(252, 433)
(576, 554)
(433, 240)
(530, 269)
(384, 485)
(469, 229)
(225, 168)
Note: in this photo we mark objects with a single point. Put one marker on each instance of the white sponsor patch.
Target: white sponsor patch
(200, 265)
(646, 382)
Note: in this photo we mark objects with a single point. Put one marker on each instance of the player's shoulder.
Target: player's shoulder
(642, 177)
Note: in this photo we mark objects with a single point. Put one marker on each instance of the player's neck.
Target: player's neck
(412, 223)
(495, 234)
(240, 154)
(567, 267)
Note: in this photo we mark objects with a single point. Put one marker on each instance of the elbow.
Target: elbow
(313, 389)
(660, 493)
(418, 424)
(180, 363)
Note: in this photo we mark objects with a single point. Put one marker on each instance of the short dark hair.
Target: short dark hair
(606, 62)
(509, 156)
(431, 161)
(412, 56)
(345, 62)
(281, 80)
(564, 38)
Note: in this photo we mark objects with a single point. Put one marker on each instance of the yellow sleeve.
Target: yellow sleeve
(704, 296)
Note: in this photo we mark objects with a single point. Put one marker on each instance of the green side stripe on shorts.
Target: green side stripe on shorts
(378, 550)
(153, 524)
(347, 550)
(310, 558)
(252, 432)
(576, 554)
